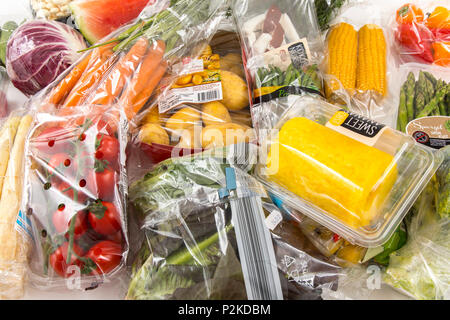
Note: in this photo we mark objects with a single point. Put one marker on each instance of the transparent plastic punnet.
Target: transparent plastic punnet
(354, 176)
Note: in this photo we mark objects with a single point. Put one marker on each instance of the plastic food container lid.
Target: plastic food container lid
(354, 176)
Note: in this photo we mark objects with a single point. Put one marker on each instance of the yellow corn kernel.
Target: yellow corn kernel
(340, 175)
(371, 69)
(197, 79)
(342, 57)
(184, 80)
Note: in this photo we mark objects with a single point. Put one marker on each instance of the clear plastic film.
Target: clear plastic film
(4, 84)
(422, 94)
(283, 51)
(194, 213)
(422, 32)
(361, 66)
(350, 174)
(74, 206)
(203, 103)
(421, 267)
(126, 67)
(14, 249)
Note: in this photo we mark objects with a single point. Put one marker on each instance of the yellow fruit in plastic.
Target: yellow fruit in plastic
(219, 135)
(153, 133)
(215, 113)
(183, 119)
(235, 92)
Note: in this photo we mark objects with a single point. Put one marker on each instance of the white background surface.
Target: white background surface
(18, 10)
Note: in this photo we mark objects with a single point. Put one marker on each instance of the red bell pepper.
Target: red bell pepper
(416, 40)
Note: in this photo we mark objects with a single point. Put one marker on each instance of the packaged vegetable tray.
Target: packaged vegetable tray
(203, 103)
(74, 205)
(350, 174)
(282, 50)
(422, 32)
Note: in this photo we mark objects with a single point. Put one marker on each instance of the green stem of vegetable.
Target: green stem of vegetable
(402, 111)
(409, 96)
(433, 104)
(71, 238)
(183, 257)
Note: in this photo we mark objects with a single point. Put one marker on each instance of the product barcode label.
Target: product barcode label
(274, 219)
(196, 94)
(256, 250)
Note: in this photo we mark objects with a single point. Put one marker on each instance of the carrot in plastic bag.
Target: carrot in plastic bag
(109, 90)
(98, 65)
(142, 98)
(151, 63)
(65, 85)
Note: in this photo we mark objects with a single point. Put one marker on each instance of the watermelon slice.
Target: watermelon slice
(98, 18)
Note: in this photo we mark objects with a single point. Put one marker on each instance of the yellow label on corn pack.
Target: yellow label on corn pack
(339, 118)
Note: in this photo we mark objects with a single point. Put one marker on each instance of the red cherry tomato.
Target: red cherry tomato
(62, 220)
(104, 218)
(102, 184)
(61, 163)
(77, 194)
(58, 259)
(104, 128)
(106, 256)
(53, 140)
(107, 149)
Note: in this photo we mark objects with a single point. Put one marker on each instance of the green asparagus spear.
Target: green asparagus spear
(430, 77)
(402, 109)
(409, 96)
(433, 104)
(419, 99)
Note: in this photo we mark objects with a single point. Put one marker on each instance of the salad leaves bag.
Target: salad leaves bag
(204, 229)
(422, 267)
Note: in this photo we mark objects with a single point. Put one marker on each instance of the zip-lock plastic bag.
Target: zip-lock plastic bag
(422, 93)
(205, 236)
(422, 32)
(14, 250)
(74, 206)
(206, 99)
(283, 51)
(350, 174)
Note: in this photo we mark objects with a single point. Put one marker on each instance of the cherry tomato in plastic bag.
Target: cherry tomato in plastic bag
(104, 218)
(107, 149)
(53, 140)
(62, 220)
(102, 183)
(58, 259)
(409, 13)
(76, 194)
(106, 256)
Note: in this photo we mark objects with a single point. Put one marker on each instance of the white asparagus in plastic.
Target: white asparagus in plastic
(14, 247)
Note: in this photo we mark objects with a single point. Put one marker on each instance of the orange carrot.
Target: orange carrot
(100, 63)
(65, 85)
(151, 62)
(142, 98)
(111, 88)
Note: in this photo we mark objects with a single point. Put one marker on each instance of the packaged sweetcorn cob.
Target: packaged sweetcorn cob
(360, 64)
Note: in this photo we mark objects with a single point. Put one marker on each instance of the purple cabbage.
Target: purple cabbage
(39, 51)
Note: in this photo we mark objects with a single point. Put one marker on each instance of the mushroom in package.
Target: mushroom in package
(282, 47)
(75, 195)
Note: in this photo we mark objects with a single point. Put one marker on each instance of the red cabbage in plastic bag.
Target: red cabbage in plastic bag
(39, 51)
